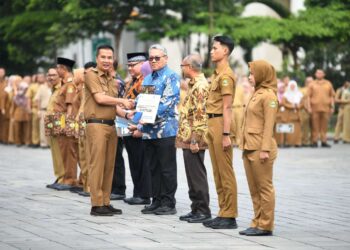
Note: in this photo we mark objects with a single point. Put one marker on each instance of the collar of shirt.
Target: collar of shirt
(220, 68)
(159, 72)
(102, 73)
(196, 79)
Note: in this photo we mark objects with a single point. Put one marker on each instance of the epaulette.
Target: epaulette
(94, 70)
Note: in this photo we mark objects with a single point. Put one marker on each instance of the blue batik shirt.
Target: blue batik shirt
(166, 83)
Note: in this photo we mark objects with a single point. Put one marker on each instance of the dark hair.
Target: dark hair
(90, 65)
(103, 46)
(115, 64)
(225, 40)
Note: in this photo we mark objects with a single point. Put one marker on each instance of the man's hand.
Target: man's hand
(136, 134)
(3, 111)
(194, 148)
(128, 103)
(226, 143)
(130, 115)
(264, 156)
(132, 127)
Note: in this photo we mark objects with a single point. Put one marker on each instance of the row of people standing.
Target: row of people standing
(23, 103)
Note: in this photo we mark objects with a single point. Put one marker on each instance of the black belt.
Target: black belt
(214, 115)
(101, 121)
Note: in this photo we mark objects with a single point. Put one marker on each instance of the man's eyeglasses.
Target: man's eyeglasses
(183, 65)
(157, 58)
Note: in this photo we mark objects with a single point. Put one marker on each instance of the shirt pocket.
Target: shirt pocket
(254, 137)
(214, 85)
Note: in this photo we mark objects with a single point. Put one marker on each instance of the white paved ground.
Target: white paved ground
(312, 212)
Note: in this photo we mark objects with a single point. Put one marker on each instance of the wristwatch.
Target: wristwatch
(126, 115)
(193, 142)
(226, 134)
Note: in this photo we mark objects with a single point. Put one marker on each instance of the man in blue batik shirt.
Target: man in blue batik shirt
(159, 138)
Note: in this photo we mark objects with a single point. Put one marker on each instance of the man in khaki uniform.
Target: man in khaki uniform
(63, 107)
(42, 99)
(260, 148)
(33, 107)
(220, 133)
(101, 137)
(340, 118)
(321, 98)
(57, 160)
(305, 116)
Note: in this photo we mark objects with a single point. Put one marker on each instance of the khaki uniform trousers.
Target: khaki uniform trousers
(237, 118)
(346, 126)
(305, 127)
(294, 139)
(259, 177)
(83, 178)
(4, 130)
(319, 126)
(224, 176)
(57, 161)
(35, 127)
(340, 124)
(101, 147)
(69, 152)
(43, 138)
(11, 138)
(21, 132)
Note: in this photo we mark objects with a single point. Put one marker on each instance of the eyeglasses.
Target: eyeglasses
(183, 65)
(157, 58)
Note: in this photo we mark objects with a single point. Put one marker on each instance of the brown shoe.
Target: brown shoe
(100, 211)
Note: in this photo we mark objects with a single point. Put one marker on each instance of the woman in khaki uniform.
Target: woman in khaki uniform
(21, 116)
(280, 117)
(291, 101)
(259, 147)
(346, 122)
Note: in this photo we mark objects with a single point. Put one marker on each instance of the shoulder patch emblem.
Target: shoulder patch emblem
(224, 82)
(273, 104)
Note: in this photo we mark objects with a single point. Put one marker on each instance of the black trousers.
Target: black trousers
(197, 181)
(140, 173)
(160, 158)
(118, 184)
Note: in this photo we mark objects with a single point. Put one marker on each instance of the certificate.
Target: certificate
(148, 105)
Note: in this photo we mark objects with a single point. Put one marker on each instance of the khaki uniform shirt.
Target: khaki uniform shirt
(31, 92)
(51, 103)
(193, 123)
(43, 96)
(259, 121)
(65, 96)
(222, 83)
(96, 81)
(321, 93)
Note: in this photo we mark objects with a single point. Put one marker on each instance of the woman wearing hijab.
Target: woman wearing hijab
(259, 146)
(281, 115)
(21, 115)
(291, 101)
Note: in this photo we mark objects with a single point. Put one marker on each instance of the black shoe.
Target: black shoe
(101, 211)
(85, 194)
(259, 232)
(325, 145)
(209, 222)
(117, 196)
(76, 189)
(186, 217)
(165, 210)
(52, 186)
(137, 201)
(335, 141)
(151, 208)
(244, 232)
(314, 145)
(114, 210)
(199, 218)
(63, 187)
(224, 223)
(305, 145)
